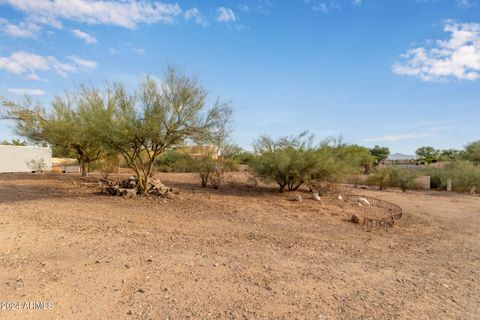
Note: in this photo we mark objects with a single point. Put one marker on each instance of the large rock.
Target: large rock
(355, 219)
(130, 183)
(296, 197)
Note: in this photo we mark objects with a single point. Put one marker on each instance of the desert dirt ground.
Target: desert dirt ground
(241, 252)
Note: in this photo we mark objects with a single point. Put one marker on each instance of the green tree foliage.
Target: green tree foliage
(393, 177)
(379, 154)
(402, 178)
(464, 175)
(170, 161)
(332, 164)
(451, 154)
(67, 127)
(14, 142)
(294, 161)
(355, 156)
(428, 154)
(159, 116)
(237, 154)
(284, 160)
(380, 177)
(472, 152)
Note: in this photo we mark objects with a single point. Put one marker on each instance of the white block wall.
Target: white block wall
(15, 158)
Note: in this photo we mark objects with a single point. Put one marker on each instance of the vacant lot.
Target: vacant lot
(238, 252)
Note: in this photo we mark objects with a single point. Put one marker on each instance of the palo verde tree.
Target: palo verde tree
(288, 161)
(157, 117)
(65, 127)
(355, 157)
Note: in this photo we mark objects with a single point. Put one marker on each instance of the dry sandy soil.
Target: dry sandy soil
(236, 253)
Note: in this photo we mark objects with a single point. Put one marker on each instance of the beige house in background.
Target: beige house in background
(198, 152)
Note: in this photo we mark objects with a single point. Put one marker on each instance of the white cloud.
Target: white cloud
(84, 63)
(225, 15)
(28, 64)
(114, 51)
(328, 6)
(260, 7)
(321, 7)
(195, 15)
(24, 91)
(126, 47)
(457, 57)
(467, 3)
(139, 51)
(24, 62)
(21, 30)
(88, 38)
(396, 137)
(126, 14)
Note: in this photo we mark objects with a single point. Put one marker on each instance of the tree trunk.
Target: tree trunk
(146, 184)
(83, 168)
(295, 188)
(204, 179)
(143, 184)
(366, 169)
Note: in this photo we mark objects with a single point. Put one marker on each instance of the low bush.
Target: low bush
(293, 161)
(171, 161)
(380, 177)
(403, 178)
(393, 177)
(465, 176)
(210, 170)
(37, 165)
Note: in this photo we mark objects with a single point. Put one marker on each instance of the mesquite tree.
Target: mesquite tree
(65, 127)
(158, 116)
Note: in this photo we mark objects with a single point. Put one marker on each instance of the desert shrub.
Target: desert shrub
(204, 167)
(294, 161)
(330, 167)
(237, 154)
(464, 175)
(171, 161)
(220, 168)
(245, 157)
(381, 177)
(284, 161)
(402, 178)
(37, 165)
(210, 170)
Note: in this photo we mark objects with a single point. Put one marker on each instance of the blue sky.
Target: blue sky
(400, 73)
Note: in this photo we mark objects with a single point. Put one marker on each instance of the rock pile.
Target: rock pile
(129, 188)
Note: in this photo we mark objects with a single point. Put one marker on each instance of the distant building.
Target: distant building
(25, 159)
(198, 152)
(65, 165)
